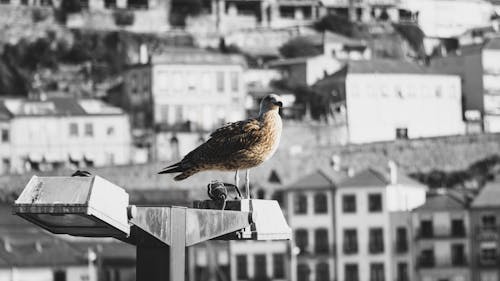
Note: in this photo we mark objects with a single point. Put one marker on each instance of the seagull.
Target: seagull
(236, 146)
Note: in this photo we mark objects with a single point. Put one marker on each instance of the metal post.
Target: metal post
(178, 245)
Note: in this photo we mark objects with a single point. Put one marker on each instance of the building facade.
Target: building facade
(442, 230)
(384, 100)
(491, 83)
(68, 132)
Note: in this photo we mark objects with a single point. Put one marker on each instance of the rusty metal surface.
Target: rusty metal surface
(204, 224)
(154, 221)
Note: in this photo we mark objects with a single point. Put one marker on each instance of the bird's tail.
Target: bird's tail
(185, 168)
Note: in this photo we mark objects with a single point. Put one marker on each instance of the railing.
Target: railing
(491, 261)
(426, 262)
(350, 248)
(487, 232)
(376, 248)
(401, 247)
(436, 234)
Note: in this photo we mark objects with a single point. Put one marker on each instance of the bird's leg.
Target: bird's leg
(247, 183)
(236, 178)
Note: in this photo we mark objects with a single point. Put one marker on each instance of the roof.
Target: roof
(488, 196)
(196, 56)
(440, 202)
(388, 66)
(365, 178)
(331, 37)
(56, 107)
(315, 180)
(493, 44)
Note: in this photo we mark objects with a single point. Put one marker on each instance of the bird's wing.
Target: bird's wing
(227, 140)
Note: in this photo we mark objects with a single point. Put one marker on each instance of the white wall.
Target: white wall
(375, 109)
(73, 273)
(404, 198)
(317, 66)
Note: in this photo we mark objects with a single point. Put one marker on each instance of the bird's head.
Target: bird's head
(271, 102)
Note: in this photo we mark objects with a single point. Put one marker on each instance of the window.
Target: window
(427, 258)
(300, 203)
(303, 272)
(457, 254)
(301, 240)
(260, 269)
(488, 255)
(59, 275)
(402, 133)
(401, 240)
(350, 241)
(278, 196)
(110, 131)
(320, 203)
(489, 222)
(377, 272)
(322, 272)
(235, 83)
(163, 113)
(349, 203)
(375, 202)
(220, 81)
(321, 241)
(351, 272)
(278, 266)
(73, 130)
(261, 194)
(89, 130)
(402, 273)
(241, 267)
(457, 228)
(5, 135)
(426, 228)
(376, 240)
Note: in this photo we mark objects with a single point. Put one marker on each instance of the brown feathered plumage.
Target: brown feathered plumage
(239, 145)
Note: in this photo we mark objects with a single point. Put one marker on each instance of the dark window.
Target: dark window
(241, 267)
(235, 84)
(59, 275)
(261, 194)
(350, 241)
(321, 241)
(220, 81)
(322, 272)
(457, 228)
(489, 222)
(5, 135)
(110, 3)
(349, 203)
(200, 273)
(457, 254)
(73, 129)
(401, 133)
(488, 255)
(376, 240)
(301, 240)
(401, 240)
(320, 203)
(260, 267)
(377, 272)
(278, 196)
(89, 130)
(375, 202)
(303, 272)
(278, 266)
(351, 272)
(402, 274)
(426, 228)
(427, 258)
(300, 203)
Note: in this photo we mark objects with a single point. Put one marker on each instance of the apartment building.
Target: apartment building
(366, 217)
(68, 132)
(310, 214)
(442, 248)
(485, 238)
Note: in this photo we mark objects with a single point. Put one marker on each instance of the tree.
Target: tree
(299, 47)
(336, 23)
(71, 6)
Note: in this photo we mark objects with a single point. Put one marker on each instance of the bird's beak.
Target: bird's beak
(278, 103)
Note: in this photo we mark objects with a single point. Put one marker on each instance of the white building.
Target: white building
(448, 18)
(306, 70)
(385, 100)
(194, 91)
(366, 235)
(58, 132)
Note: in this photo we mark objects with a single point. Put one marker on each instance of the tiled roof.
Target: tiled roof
(196, 56)
(365, 178)
(316, 180)
(488, 196)
(444, 202)
(388, 66)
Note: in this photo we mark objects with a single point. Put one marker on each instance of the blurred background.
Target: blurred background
(381, 97)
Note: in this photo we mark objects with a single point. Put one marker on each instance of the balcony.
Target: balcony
(487, 233)
(488, 261)
(458, 261)
(376, 248)
(401, 247)
(441, 234)
(350, 249)
(426, 262)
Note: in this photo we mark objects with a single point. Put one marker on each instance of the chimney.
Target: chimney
(393, 171)
(7, 246)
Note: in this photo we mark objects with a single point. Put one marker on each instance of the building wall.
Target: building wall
(379, 104)
(481, 237)
(320, 66)
(362, 221)
(399, 255)
(73, 273)
(190, 92)
(109, 144)
(491, 81)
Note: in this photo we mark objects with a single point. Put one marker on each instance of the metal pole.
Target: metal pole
(178, 245)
